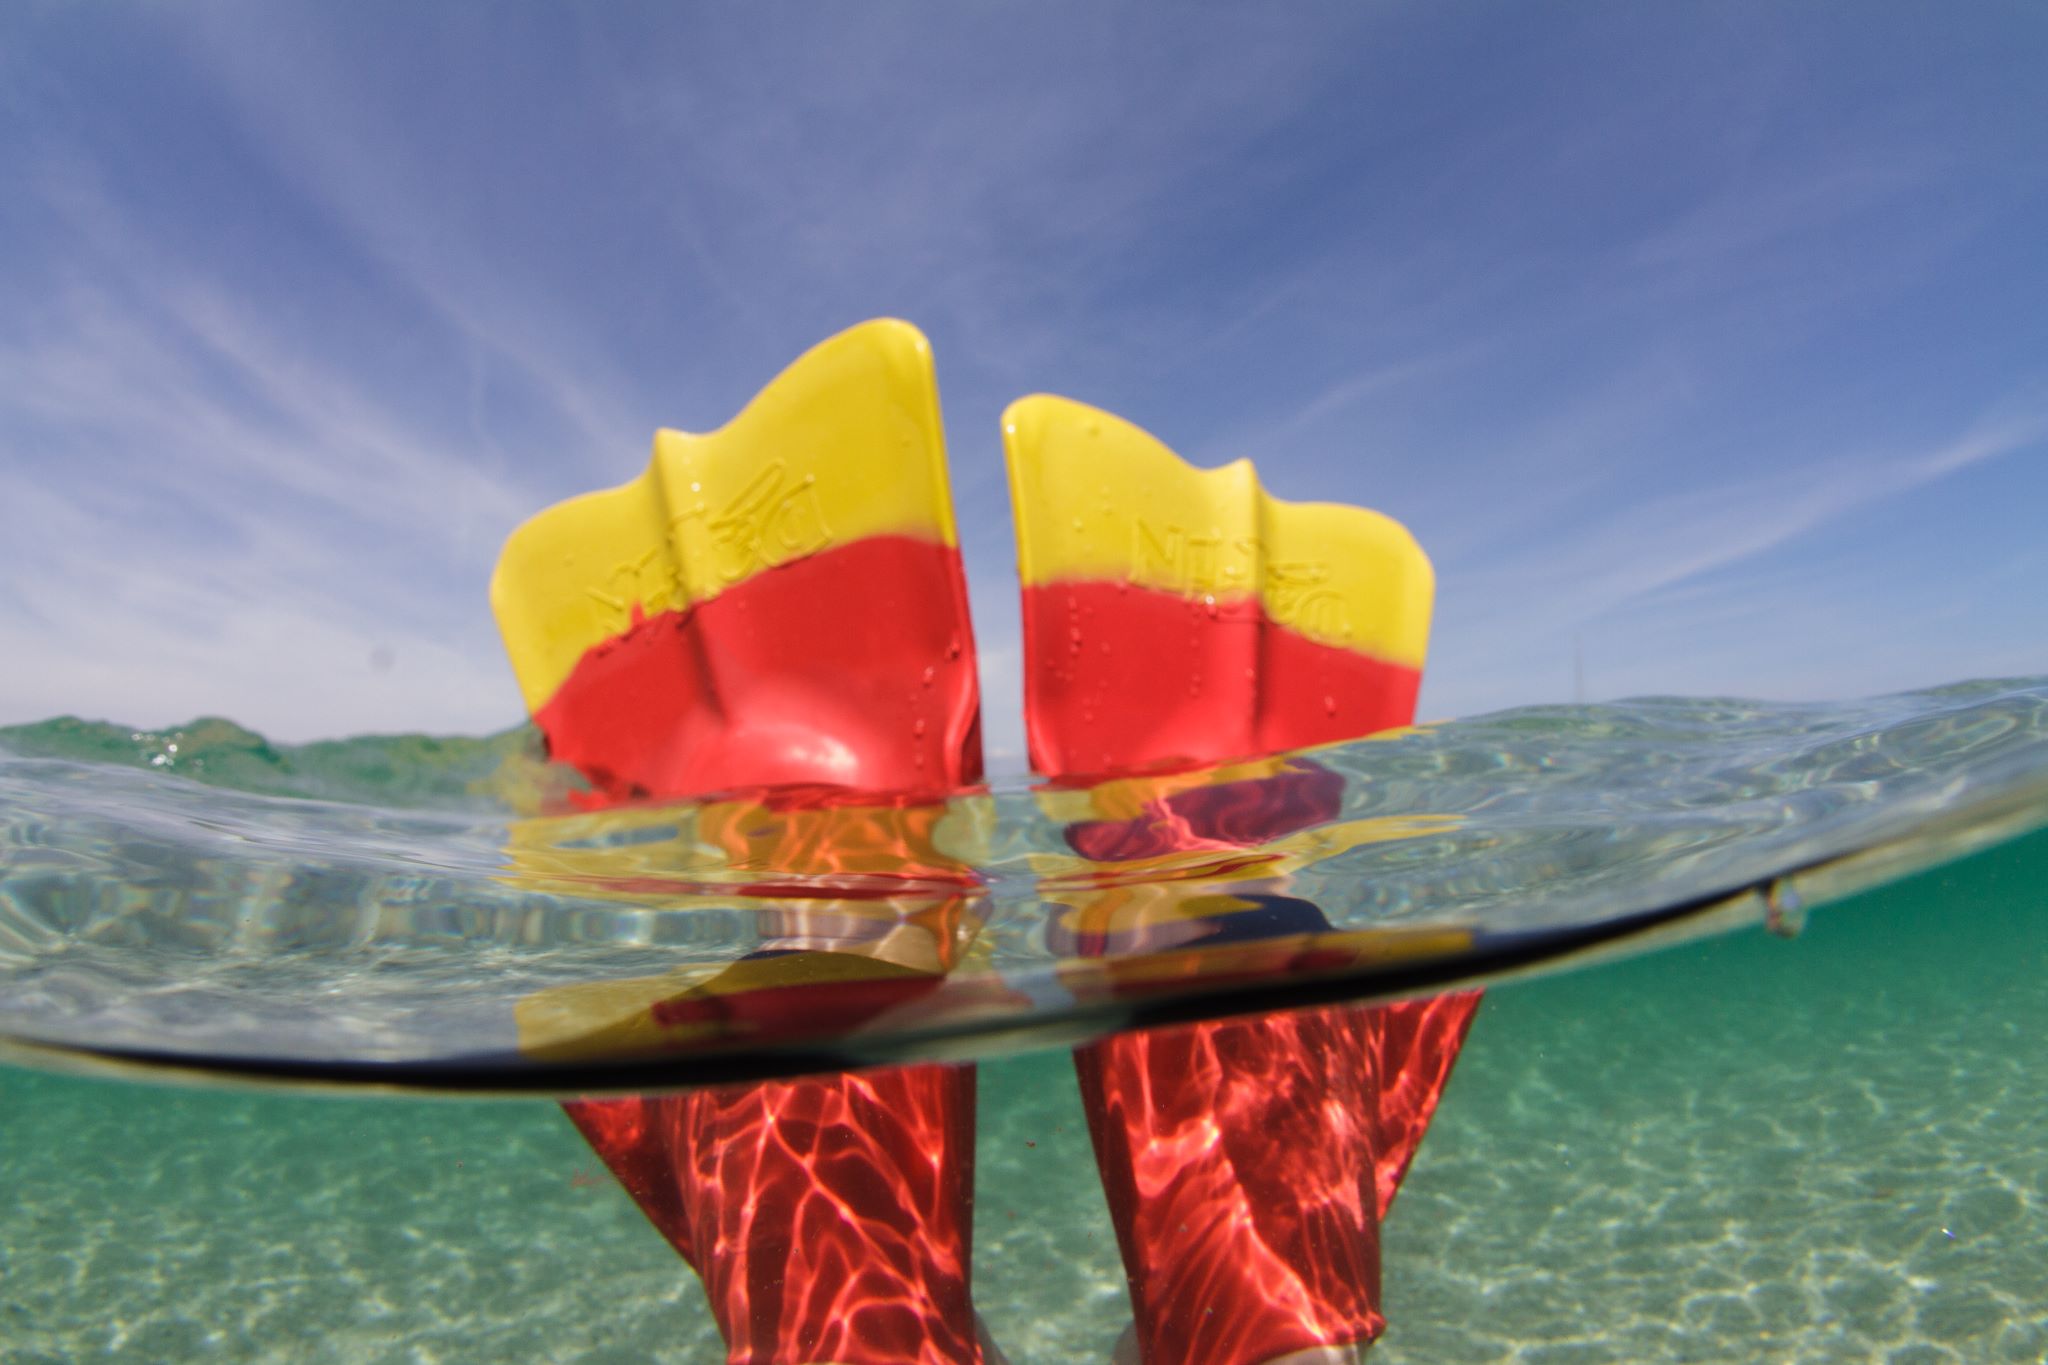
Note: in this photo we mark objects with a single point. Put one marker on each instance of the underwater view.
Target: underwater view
(1815, 1141)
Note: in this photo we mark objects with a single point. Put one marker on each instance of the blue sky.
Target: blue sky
(1709, 343)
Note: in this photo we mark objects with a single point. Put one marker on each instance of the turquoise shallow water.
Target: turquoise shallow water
(1752, 1148)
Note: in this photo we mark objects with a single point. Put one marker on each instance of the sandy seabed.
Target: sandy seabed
(1829, 1149)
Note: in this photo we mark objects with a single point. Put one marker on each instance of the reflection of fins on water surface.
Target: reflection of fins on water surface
(1180, 858)
(776, 842)
(1247, 1163)
(860, 969)
(863, 904)
(780, 602)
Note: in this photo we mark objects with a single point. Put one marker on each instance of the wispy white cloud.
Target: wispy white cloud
(341, 146)
(1504, 616)
(1808, 200)
(201, 521)
(1660, 541)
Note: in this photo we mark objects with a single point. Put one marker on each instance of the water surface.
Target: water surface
(413, 926)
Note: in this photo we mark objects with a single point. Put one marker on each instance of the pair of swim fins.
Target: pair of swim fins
(780, 606)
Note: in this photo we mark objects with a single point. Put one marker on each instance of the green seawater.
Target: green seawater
(1832, 1147)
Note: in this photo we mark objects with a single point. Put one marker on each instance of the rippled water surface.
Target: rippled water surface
(1824, 1146)
(147, 914)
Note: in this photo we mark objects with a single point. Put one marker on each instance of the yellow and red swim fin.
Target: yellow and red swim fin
(1179, 616)
(1280, 624)
(779, 602)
